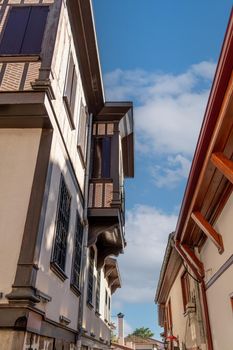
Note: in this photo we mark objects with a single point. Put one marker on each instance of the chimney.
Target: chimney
(121, 339)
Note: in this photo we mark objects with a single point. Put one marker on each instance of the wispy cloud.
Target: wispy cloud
(170, 173)
(147, 230)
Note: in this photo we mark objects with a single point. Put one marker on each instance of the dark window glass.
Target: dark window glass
(97, 306)
(102, 157)
(24, 30)
(70, 87)
(62, 225)
(90, 276)
(77, 257)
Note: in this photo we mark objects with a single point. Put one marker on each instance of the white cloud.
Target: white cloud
(147, 231)
(172, 172)
(169, 108)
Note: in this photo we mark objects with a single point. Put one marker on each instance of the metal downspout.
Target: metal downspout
(85, 235)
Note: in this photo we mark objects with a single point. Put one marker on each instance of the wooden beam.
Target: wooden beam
(223, 164)
(208, 230)
(188, 262)
(199, 265)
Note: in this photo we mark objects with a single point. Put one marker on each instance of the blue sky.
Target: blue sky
(161, 54)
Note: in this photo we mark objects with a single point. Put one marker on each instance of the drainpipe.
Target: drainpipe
(85, 234)
(201, 281)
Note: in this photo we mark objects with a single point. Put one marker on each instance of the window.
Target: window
(62, 226)
(106, 306)
(109, 308)
(82, 132)
(102, 157)
(70, 90)
(97, 300)
(185, 288)
(90, 276)
(24, 30)
(232, 302)
(77, 255)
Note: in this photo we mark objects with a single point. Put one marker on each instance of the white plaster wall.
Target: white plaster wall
(64, 301)
(220, 311)
(18, 154)
(92, 322)
(209, 255)
(64, 43)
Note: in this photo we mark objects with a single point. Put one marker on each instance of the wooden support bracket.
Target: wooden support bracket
(223, 164)
(208, 230)
(188, 262)
(194, 259)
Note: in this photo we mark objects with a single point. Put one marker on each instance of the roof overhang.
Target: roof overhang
(207, 189)
(84, 35)
(168, 273)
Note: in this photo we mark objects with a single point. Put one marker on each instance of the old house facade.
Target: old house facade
(65, 152)
(194, 293)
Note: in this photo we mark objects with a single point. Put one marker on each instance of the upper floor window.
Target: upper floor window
(77, 255)
(62, 226)
(90, 276)
(24, 30)
(185, 288)
(70, 89)
(102, 157)
(82, 132)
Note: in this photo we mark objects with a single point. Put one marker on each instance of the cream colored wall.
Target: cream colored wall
(218, 293)
(220, 311)
(18, 153)
(64, 301)
(64, 43)
(209, 255)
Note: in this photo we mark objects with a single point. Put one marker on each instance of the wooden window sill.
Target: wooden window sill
(58, 271)
(89, 304)
(75, 289)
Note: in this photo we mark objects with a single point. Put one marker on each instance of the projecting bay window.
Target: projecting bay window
(61, 230)
(77, 255)
(24, 30)
(185, 289)
(102, 157)
(70, 90)
(90, 276)
(97, 300)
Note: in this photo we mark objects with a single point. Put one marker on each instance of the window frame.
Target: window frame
(77, 252)
(185, 287)
(82, 133)
(104, 171)
(90, 281)
(97, 298)
(70, 99)
(54, 264)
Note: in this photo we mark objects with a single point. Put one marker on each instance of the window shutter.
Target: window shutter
(13, 36)
(73, 91)
(35, 30)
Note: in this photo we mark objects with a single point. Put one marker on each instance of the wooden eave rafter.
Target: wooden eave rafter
(210, 232)
(112, 274)
(208, 188)
(83, 30)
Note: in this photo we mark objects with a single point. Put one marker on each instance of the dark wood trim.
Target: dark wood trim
(58, 271)
(206, 315)
(25, 278)
(220, 271)
(209, 231)
(19, 58)
(193, 258)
